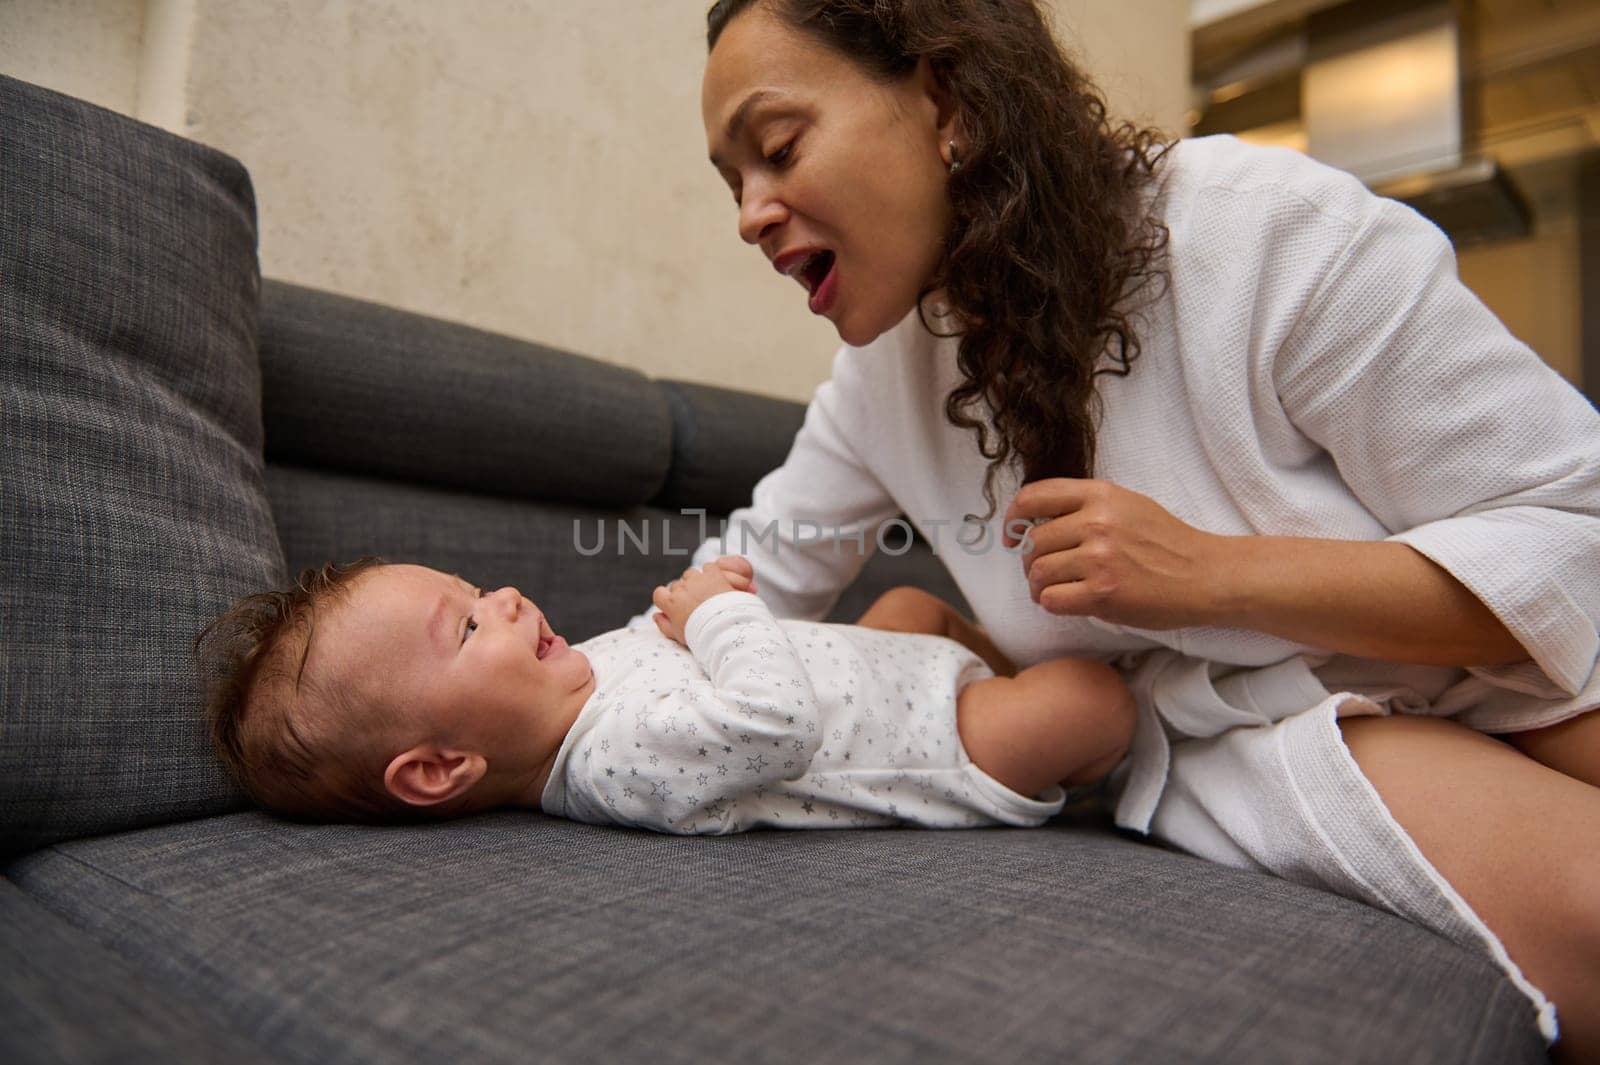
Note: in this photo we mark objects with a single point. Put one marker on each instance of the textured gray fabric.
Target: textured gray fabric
(514, 936)
(325, 517)
(65, 997)
(132, 509)
(723, 442)
(356, 386)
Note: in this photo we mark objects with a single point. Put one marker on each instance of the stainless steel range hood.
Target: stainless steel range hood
(1381, 97)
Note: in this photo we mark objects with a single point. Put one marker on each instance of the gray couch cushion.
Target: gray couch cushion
(513, 936)
(325, 516)
(359, 387)
(65, 997)
(132, 509)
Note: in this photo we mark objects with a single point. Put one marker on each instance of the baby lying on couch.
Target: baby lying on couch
(379, 692)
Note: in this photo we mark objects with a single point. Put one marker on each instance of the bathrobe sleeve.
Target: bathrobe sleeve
(1457, 436)
(813, 522)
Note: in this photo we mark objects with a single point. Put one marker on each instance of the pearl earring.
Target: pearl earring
(955, 164)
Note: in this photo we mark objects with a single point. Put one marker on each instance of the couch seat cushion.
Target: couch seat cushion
(64, 997)
(514, 936)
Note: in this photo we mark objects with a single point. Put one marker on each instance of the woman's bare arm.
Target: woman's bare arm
(1105, 551)
(1374, 599)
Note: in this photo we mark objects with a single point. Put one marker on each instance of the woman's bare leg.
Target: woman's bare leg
(1065, 721)
(1572, 747)
(1518, 840)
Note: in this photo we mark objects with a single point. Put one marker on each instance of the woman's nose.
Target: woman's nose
(758, 213)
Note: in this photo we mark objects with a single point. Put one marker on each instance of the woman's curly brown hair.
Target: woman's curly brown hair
(1050, 240)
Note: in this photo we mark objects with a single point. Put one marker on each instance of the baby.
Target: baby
(380, 692)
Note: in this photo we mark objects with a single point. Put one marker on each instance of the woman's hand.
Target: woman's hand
(678, 600)
(1108, 552)
(1111, 553)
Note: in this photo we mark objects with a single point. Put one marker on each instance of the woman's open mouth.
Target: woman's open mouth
(816, 269)
(821, 277)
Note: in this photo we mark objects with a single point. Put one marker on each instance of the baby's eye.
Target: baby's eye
(781, 156)
(467, 630)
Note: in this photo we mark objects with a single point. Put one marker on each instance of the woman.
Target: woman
(1281, 466)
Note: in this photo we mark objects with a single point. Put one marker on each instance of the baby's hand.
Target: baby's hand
(678, 600)
(739, 569)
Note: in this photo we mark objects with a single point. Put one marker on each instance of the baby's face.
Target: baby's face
(480, 670)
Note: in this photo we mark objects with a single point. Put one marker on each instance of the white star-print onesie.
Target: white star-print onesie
(780, 724)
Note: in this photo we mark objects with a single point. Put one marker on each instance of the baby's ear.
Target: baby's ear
(426, 774)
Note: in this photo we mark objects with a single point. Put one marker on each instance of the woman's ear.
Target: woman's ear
(426, 775)
(946, 112)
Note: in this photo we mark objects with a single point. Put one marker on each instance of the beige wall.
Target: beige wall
(534, 167)
(82, 47)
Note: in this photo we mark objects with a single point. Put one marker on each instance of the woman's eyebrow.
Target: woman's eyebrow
(736, 123)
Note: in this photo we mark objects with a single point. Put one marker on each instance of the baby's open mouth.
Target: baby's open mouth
(547, 638)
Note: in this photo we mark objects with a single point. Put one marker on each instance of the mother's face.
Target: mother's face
(821, 158)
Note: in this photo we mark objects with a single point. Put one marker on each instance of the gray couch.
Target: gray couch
(177, 433)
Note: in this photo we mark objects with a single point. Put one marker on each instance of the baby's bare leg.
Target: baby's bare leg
(907, 609)
(1066, 721)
